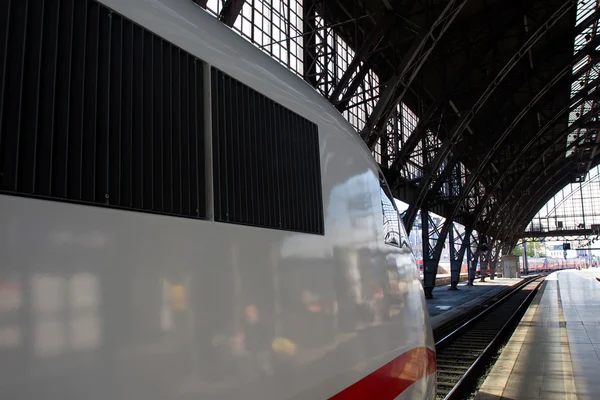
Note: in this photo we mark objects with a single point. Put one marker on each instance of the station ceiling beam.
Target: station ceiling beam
(547, 186)
(408, 69)
(512, 17)
(527, 176)
(382, 28)
(575, 102)
(455, 135)
(484, 162)
(230, 11)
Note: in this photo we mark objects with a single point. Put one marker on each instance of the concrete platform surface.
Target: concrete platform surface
(555, 351)
(447, 304)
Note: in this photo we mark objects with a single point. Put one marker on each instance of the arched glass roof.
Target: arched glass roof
(576, 206)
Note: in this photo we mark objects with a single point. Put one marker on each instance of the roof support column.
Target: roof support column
(433, 237)
(494, 259)
(455, 262)
(429, 265)
(458, 245)
(486, 258)
(473, 257)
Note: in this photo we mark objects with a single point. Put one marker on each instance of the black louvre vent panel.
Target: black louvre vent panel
(96, 109)
(266, 161)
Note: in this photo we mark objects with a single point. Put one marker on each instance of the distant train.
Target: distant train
(184, 218)
(549, 264)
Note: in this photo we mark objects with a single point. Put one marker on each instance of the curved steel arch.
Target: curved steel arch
(579, 124)
(575, 102)
(456, 132)
(514, 204)
(567, 197)
(549, 194)
(411, 64)
(474, 176)
(421, 129)
(511, 220)
(483, 164)
(382, 29)
(527, 206)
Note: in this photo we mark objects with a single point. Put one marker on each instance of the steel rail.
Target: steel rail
(465, 382)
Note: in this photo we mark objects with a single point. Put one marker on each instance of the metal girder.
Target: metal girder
(556, 161)
(473, 257)
(381, 30)
(512, 218)
(494, 258)
(406, 72)
(318, 55)
(455, 134)
(553, 210)
(593, 151)
(482, 164)
(508, 230)
(474, 176)
(546, 196)
(431, 254)
(579, 124)
(474, 60)
(309, 15)
(575, 101)
(566, 232)
(458, 238)
(529, 212)
(201, 3)
(230, 11)
(457, 254)
(486, 257)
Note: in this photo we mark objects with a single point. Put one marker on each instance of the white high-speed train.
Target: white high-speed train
(184, 218)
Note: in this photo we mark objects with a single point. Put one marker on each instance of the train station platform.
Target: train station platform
(444, 279)
(555, 351)
(448, 304)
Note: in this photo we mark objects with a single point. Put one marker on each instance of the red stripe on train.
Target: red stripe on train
(393, 378)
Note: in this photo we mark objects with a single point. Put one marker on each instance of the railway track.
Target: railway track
(463, 354)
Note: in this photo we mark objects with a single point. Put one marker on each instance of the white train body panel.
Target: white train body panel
(100, 303)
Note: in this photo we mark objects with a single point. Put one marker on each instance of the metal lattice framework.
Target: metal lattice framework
(476, 111)
(575, 209)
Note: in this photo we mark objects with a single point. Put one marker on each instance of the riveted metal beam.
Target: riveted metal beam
(557, 179)
(408, 69)
(464, 145)
(562, 173)
(514, 204)
(431, 254)
(580, 123)
(473, 257)
(474, 60)
(575, 102)
(382, 28)
(546, 196)
(457, 255)
(529, 212)
(483, 164)
(230, 11)
(455, 135)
